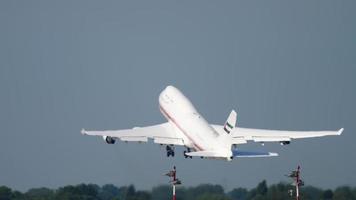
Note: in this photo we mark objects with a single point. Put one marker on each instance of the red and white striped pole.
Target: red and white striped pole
(174, 192)
(295, 175)
(175, 181)
(297, 182)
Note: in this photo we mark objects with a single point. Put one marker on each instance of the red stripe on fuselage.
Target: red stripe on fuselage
(180, 128)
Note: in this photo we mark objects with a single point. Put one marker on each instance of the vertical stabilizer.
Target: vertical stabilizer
(230, 122)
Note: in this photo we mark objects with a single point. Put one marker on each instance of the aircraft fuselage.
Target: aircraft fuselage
(199, 135)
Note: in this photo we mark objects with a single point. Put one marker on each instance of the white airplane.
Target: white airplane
(186, 127)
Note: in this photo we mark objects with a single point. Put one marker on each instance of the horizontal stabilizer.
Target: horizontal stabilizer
(204, 154)
(238, 153)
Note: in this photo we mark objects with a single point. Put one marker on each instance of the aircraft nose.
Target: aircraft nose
(167, 93)
(171, 88)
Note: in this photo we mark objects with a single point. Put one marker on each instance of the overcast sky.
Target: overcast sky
(67, 65)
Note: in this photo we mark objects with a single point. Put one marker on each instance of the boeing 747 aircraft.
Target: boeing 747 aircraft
(186, 127)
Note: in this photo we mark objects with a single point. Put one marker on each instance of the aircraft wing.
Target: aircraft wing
(261, 135)
(241, 135)
(161, 134)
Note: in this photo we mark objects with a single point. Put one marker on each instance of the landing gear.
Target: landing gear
(170, 150)
(185, 154)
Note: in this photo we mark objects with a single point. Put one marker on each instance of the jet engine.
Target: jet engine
(109, 140)
(284, 142)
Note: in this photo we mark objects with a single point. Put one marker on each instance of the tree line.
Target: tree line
(280, 191)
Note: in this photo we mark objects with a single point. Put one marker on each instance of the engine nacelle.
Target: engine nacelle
(284, 142)
(109, 140)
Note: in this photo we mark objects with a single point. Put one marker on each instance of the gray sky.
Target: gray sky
(65, 65)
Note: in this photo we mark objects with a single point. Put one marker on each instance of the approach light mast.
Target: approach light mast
(174, 180)
(295, 175)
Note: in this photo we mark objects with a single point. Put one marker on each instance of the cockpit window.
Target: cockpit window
(196, 114)
(168, 99)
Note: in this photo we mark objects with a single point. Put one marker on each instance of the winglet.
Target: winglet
(340, 131)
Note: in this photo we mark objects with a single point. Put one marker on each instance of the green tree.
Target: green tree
(278, 192)
(238, 194)
(16, 195)
(210, 196)
(258, 192)
(354, 192)
(39, 194)
(163, 192)
(108, 192)
(311, 193)
(201, 192)
(82, 192)
(5, 193)
(327, 195)
(194, 192)
(142, 195)
(262, 188)
(130, 193)
(343, 193)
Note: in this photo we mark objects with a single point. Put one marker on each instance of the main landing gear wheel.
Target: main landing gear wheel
(185, 154)
(170, 151)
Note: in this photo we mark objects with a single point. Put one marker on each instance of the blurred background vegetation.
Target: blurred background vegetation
(262, 191)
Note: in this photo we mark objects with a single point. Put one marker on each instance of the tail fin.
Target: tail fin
(230, 122)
